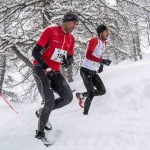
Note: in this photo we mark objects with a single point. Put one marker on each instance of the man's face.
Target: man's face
(70, 26)
(104, 35)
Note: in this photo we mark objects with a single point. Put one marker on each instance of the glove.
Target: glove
(67, 62)
(106, 62)
(51, 74)
(100, 68)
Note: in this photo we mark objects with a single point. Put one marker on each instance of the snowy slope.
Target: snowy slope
(118, 120)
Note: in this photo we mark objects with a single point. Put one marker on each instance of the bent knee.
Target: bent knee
(104, 92)
(101, 92)
(68, 98)
(91, 94)
(48, 105)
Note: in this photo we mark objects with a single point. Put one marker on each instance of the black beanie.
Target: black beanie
(70, 16)
(101, 28)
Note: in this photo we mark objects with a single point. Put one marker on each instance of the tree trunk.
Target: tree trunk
(139, 53)
(46, 15)
(148, 29)
(70, 74)
(63, 72)
(134, 50)
(137, 41)
(2, 70)
(24, 59)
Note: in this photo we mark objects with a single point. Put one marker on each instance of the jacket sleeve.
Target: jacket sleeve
(90, 56)
(44, 38)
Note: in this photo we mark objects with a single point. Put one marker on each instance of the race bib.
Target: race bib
(99, 50)
(97, 53)
(58, 55)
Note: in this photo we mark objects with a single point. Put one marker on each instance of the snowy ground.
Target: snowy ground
(118, 120)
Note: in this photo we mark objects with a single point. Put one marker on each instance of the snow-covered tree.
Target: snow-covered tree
(22, 22)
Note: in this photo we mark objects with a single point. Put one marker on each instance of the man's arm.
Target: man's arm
(41, 43)
(91, 46)
(36, 53)
(90, 56)
(69, 60)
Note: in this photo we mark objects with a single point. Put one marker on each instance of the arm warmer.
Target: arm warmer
(36, 53)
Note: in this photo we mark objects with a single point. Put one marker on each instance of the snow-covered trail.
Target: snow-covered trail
(118, 120)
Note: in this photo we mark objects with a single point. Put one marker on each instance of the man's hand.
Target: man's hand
(106, 62)
(100, 68)
(67, 62)
(51, 74)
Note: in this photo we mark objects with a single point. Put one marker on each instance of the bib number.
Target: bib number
(58, 55)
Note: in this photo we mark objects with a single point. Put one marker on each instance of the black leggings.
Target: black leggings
(91, 79)
(46, 88)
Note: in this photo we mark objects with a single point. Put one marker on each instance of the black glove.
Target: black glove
(100, 68)
(106, 62)
(52, 74)
(67, 62)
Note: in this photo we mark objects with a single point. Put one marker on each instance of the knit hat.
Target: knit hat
(70, 16)
(101, 28)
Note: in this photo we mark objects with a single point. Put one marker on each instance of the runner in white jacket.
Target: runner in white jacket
(88, 70)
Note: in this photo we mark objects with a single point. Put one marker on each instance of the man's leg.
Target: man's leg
(100, 88)
(48, 125)
(62, 88)
(46, 93)
(88, 82)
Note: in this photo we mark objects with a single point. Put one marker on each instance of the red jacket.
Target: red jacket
(52, 38)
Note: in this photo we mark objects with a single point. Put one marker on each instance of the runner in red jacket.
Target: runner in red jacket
(88, 70)
(54, 48)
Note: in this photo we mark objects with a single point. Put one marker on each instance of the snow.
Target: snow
(118, 120)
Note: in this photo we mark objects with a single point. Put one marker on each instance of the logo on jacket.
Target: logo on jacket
(56, 41)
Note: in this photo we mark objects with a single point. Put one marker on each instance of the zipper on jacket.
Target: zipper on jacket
(64, 41)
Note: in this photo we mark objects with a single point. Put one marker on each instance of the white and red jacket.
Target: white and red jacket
(96, 47)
